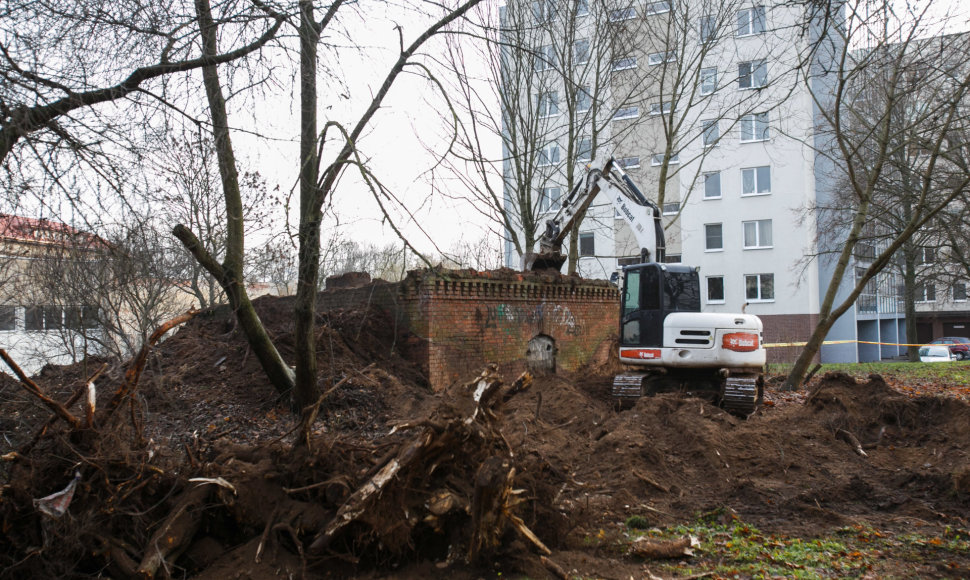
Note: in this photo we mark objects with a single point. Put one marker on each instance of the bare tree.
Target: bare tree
(882, 88)
(320, 170)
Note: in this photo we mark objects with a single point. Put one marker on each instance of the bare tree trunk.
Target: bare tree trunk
(306, 290)
(230, 272)
(909, 300)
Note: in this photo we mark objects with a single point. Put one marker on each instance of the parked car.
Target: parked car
(935, 353)
(959, 345)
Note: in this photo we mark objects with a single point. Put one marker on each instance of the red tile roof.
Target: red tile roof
(42, 231)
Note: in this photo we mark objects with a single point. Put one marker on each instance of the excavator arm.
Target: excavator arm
(641, 214)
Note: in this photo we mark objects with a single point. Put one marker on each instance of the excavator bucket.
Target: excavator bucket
(545, 261)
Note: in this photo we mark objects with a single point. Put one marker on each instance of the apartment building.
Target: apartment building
(720, 128)
(37, 327)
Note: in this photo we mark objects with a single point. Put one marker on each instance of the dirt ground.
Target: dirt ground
(583, 467)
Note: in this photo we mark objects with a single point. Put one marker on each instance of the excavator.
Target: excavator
(663, 335)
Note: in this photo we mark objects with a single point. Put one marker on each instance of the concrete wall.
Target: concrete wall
(456, 322)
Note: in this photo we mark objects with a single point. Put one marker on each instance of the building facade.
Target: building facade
(722, 132)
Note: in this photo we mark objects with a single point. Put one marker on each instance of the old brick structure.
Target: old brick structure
(454, 322)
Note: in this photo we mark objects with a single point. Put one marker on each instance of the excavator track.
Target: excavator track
(742, 395)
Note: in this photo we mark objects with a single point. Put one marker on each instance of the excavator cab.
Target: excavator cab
(651, 291)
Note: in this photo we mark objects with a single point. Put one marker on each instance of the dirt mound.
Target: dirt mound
(204, 409)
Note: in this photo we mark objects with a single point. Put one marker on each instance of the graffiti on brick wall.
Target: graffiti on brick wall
(508, 317)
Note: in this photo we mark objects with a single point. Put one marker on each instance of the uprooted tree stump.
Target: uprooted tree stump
(452, 476)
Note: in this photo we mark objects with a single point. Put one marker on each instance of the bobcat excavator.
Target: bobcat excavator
(675, 346)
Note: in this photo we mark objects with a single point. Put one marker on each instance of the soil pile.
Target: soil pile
(400, 473)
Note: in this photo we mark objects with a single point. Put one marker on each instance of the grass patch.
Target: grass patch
(739, 550)
(956, 372)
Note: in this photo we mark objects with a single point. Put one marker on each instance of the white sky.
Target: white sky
(397, 142)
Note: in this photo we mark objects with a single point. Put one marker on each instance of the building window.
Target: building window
(959, 291)
(549, 155)
(751, 21)
(754, 128)
(628, 162)
(672, 259)
(625, 63)
(759, 287)
(581, 51)
(712, 185)
(585, 149)
(927, 255)
(671, 208)
(926, 292)
(549, 199)
(546, 59)
(713, 237)
(710, 133)
(657, 108)
(756, 180)
(583, 99)
(662, 57)
(582, 7)
(659, 7)
(757, 234)
(53, 317)
(708, 28)
(548, 104)
(542, 10)
(8, 318)
(34, 318)
(626, 113)
(658, 159)
(715, 289)
(753, 74)
(708, 80)
(586, 245)
(622, 14)
(78, 317)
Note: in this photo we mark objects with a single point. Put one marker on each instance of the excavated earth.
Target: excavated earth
(203, 408)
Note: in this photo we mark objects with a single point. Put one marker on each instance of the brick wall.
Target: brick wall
(454, 323)
(787, 328)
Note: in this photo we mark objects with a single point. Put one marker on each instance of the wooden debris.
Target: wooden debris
(646, 479)
(176, 532)
(852, 441)
(32, 388)
(663, 549)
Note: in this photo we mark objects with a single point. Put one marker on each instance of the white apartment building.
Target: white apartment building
(745, 172)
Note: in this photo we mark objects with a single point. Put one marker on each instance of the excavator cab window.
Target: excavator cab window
(651, 292)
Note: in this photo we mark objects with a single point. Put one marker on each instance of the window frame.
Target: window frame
(591, 238)
(674, 211)
(622, 14)
(548, 105)
(709, 137)
(754, 119)
(708, 237)
(759, 235)
(580, 101)
(628, 162)
(953, 293)
(711, 29)
(546, 60)
(650, 7)
(756, 180)
(705, 72)
(634, 112)
(547, 160)
(706, 175)
(624, 63)
(8, 316)
(661, 108)
(582, 8)
(587, 149)
(750, 20)
(657, 159)
(708, 285)
(760, 286)
(754, 66)
(546, 204)
(584, 53)
(662, 57)
(926, 293)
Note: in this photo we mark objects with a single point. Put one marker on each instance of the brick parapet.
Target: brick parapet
(454, 325)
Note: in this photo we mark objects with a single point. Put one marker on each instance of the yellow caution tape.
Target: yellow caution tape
(777, 344)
